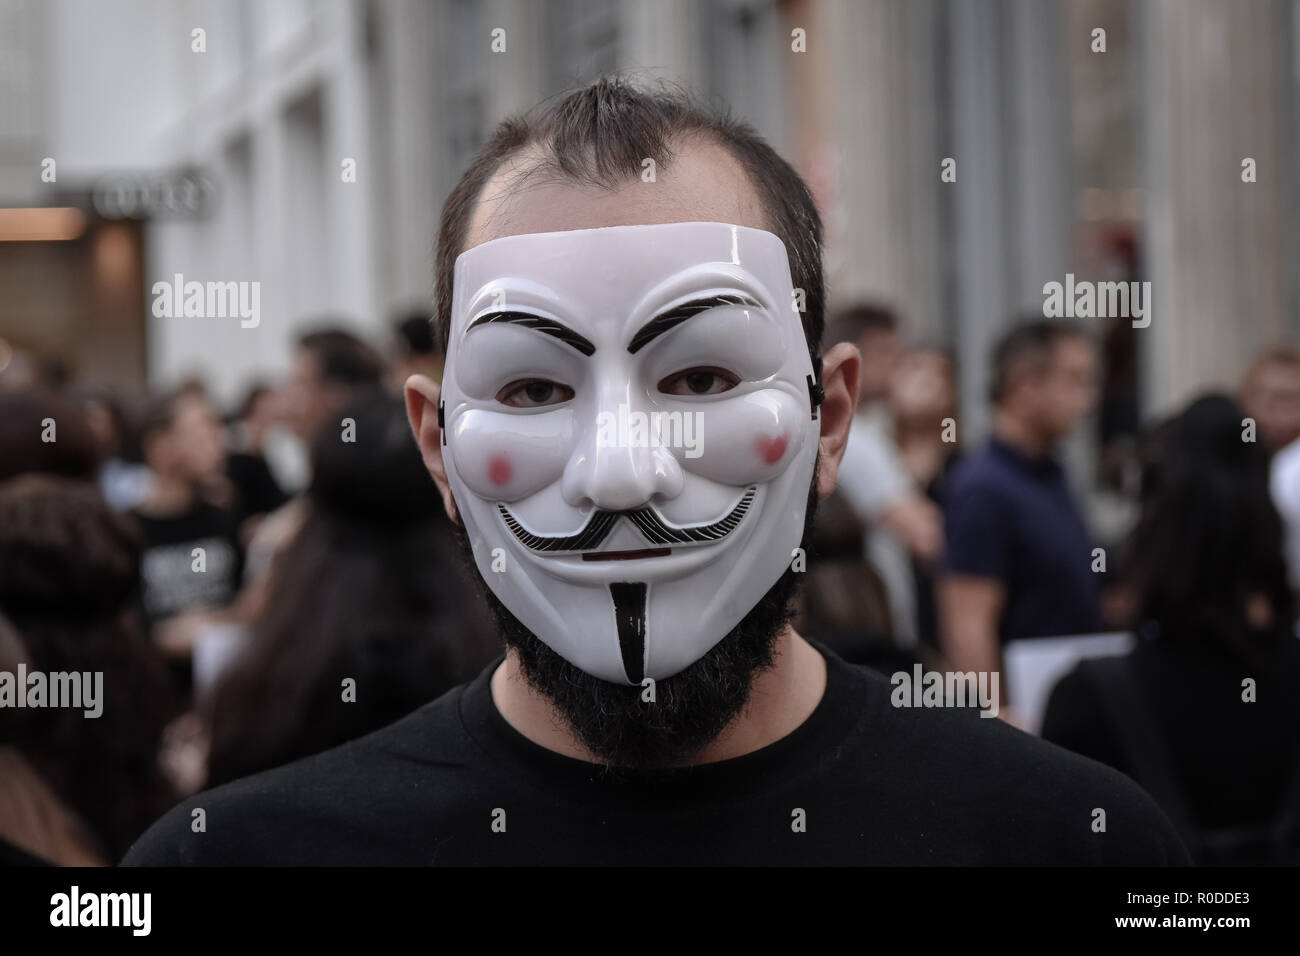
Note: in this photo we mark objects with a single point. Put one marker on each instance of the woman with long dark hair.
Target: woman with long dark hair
(1203, 713)
(69, 585)
(368, 614)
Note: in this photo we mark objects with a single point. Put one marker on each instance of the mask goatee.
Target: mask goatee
(689, 710)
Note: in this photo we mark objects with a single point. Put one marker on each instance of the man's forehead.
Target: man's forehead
(622, 273)
(704, 182)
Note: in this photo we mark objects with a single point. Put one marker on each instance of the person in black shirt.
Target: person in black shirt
(257, 492)
(371, 588)
(192, 558)
(455, 784)
(77, 784)
(1203, 713)
(653, 704)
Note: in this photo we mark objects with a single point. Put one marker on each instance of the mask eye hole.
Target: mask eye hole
(534, 393)
(702, 380)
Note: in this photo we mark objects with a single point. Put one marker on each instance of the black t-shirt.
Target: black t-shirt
(170, 579)
(859, 782)
(1232, 759)
(1013, 517)
(257, 491)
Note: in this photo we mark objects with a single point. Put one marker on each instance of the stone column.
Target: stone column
(978, 205)
(883, 229)
(1039, 183)
(517, 77)
(663, 38)
(347, 133)
(410, 151)
(1217, 89)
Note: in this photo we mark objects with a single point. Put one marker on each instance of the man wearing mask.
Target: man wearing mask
(633, 426)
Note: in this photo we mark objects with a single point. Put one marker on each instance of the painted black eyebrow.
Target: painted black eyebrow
(539, 323)
(678, 314)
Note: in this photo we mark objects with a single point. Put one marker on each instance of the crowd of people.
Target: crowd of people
(239, 622)
(248, 611)
(958, 551)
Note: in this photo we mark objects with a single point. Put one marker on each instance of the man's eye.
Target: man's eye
(699, 381)
(534, 392)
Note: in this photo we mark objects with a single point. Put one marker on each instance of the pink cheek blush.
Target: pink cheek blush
(771, 450)
(499, 470)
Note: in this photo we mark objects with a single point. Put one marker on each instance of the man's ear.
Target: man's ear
(422, 395)
(840, 382)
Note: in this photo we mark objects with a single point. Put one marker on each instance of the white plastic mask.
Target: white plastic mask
(626, 514)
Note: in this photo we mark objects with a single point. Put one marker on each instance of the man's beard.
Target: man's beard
(690, 709)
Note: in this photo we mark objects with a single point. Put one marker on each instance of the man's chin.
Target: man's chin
(689, 710)
(622, 728)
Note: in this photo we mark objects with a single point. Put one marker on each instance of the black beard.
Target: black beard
(690, 709)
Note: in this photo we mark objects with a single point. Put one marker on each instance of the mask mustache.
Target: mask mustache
(648, 522)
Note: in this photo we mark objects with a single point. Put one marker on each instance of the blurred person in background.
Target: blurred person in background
(923, 402)
(41, 431)
(371, 589)
(124, 479)
(69, 577)
(1271, 396)
(844, 603)
(36, 827)
(416, 351)
(1220, 755)
(1018, 561)
(331, 367)
(19, 370)
(900, 522)
(257, 491)
(192, 554)
(873, 328)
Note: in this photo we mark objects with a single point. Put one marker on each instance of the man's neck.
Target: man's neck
(1013, 430)
(782, 697)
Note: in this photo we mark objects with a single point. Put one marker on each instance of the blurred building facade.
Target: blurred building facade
(1117, 163)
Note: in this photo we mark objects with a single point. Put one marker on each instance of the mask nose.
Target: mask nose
(616, 466)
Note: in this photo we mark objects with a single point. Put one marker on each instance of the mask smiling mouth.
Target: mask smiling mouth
(647, 521)
(626, 555)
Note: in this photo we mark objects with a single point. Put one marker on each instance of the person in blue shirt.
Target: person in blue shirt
(1018, 555)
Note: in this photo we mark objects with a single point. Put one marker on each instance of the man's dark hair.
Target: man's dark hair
(599, 135)
(1033, 344)
(343, 359)
(1209, 540)
(851, 323)
(415, 334)
(370, 585)
(159, 411)
(69, 583)
(22, 423)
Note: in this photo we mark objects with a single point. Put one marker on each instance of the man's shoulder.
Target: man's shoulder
(1031, 801)
(298, 813)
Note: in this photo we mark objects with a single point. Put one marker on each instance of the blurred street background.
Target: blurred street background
(963, 154)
